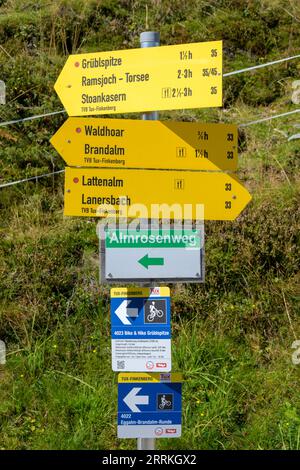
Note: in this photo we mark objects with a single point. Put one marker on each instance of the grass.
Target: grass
(235, 393)
(232, 336)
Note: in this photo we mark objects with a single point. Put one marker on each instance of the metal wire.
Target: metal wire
(235, 72)
(255, 67)
(257, 121)
(38, 116)
(32, 178)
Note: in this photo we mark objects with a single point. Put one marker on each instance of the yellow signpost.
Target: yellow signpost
(136, 80)
(139, 193)
(125, 143)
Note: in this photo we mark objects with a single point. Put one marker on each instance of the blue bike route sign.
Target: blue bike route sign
(149, 405)
(141, 329)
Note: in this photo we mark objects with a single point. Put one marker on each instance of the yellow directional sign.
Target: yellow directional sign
(135, 80)
(94, 142)
(152, 194)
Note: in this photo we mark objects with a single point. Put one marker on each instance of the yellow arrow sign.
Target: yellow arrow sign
(135, 80)
(152, 194)
(94, 142)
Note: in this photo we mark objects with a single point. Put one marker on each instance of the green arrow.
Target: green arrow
(146, 261)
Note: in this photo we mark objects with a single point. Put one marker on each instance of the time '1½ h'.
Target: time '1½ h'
(185, 55)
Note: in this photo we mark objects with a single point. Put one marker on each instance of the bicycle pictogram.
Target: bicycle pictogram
(154, 312)
(164, 403)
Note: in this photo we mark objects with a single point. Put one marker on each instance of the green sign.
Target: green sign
(152, 239)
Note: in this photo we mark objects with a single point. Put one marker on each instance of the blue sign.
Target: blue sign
(148, 407)
(141, 329)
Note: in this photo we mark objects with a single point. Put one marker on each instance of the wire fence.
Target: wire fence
(30, 118)
(228, 74)
(260, 66)
(32, 178)
(269, 118)
(246, 124)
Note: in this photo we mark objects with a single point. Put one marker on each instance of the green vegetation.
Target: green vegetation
(232, 336)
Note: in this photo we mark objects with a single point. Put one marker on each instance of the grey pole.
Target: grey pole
(2, 92)
(148, 39)
(2, 352)
(145, 443)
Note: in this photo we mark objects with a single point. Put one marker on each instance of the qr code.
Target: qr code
(120, 364)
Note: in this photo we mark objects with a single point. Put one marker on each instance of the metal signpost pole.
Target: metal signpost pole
(148, 39)
(2, 92)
